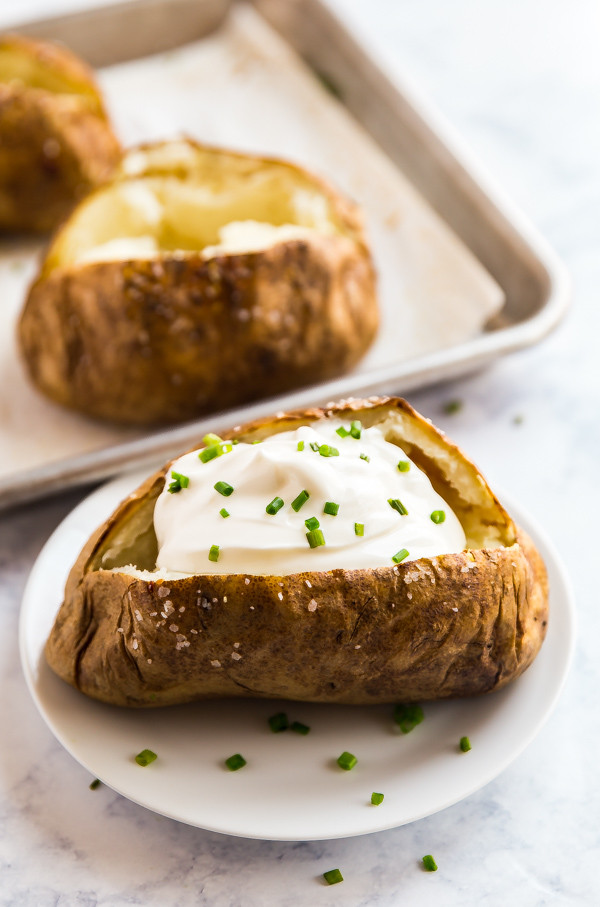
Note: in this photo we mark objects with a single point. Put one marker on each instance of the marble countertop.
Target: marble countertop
(521, 82)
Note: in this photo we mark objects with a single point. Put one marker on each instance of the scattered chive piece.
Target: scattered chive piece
(452, 406)
(395, 504)
(327, 451)
(300, 445)
(209, 453)
(145, 757)
(95, 783)
(356, 429)
(279, 722)
(359, 529)
(258, 441)
(438, 516)
(211, 439)
(311, 523)
(400, 556)
(429, 863)
(235, 441)
(408, 716)
(224, 488)
(275, 505)
(178, 482)
(300, 500)
(376, 799)
(315, 538)
(314, 446)
(365, 457)
(333, 876)
(403, 465)
(342, 432)
(300, 728)
(213, 554)
(465, 744)
(235, 762)
(347, 761)
(331, 508)
(224, 513)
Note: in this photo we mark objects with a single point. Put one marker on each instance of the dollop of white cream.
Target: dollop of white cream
(188, 523)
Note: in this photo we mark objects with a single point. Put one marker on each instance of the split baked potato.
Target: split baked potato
(56, 142)
(195, 280)
(451, 625)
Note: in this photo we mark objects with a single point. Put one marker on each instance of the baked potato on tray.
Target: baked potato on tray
(157, 612)
(56, 142)
(195, 280)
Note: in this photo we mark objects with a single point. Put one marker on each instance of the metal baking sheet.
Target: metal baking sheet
(462, 277)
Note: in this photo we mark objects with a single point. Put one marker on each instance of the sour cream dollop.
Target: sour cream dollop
(250, 540)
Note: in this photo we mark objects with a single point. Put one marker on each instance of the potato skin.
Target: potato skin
(433, 628)
(54, 148)
(142, 342)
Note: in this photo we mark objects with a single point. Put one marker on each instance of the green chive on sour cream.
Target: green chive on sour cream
(391, 507)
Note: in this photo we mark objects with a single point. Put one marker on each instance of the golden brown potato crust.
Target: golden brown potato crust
(453, 625)
(54, 147)
(167, 340)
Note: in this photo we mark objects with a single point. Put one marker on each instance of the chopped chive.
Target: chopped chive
(235, 441)
(312, 523)
(347, 761)
(224, 513)
(333, 876)
(452, 406)
(179, 482)
(300, 728)
(274, 506)
(429, 863)
(300, 445)
(315, 538)
(279, 722)
(215, 449)
(209, 453)
(327, 451)
(314, 446)
(408, 716)
(224, 488)
(356, 429)
(465, 744)
(213, 554)
(403, 465)
(395, 504)
(400, 556)
(298, 502)
(257, 441)
(359, 529)
(145, 757)
(95, 784)
(211, 439)
(342, 432)
(331, 508)
(376, 799)
(367, 459)
(235, 762)
(438, 516)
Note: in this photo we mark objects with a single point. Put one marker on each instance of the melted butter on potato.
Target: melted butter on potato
(250, 540)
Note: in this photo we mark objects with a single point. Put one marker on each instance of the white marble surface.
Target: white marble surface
(521, 81)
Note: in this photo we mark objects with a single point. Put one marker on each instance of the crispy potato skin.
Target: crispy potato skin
(54, 148)
(453, 625)
(167, 340)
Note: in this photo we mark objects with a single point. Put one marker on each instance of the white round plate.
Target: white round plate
(291, 788)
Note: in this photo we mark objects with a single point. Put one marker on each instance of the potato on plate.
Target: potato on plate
(350, 555)
(195, 280)
(56, 142)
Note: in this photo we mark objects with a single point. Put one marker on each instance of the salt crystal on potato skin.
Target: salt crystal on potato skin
(452, 625)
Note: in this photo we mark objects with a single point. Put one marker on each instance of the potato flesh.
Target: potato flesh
(163, 214)
(21, 65)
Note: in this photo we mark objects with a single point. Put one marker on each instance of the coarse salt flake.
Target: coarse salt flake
(224, 599)
(247, 581)
(236, 645)
(134, 643)
(149, 660)
(216, 663)
(357, 647)
(308, 583)
(138, 616)
(173, 628)
(280, 596)
(163, 591)
(236, 656)
(312, 605)
(120, 630)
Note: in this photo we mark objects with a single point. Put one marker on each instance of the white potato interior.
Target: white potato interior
(195, 201)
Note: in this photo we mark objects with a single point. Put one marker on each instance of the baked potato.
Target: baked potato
(56, 142)
(195, 280)
(462, 622)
